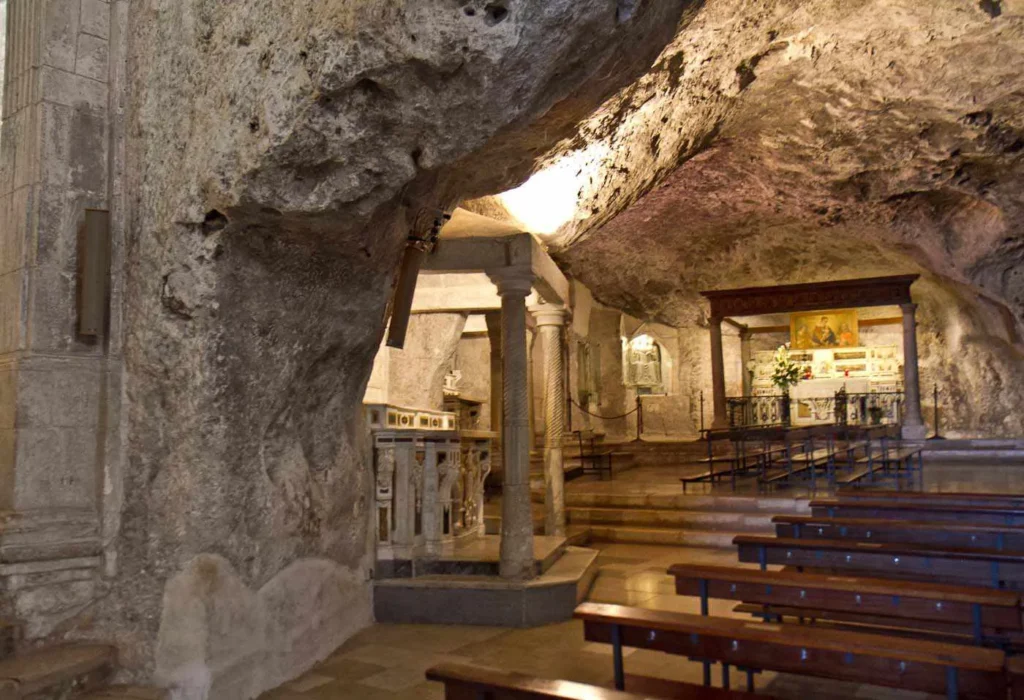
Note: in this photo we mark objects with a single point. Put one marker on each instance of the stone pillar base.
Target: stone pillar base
(914, 432)
(50, 567)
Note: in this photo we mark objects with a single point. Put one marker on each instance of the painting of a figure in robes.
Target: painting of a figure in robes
(824, 329)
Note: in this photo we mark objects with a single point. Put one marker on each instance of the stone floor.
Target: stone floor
(984, 477)
(387, 662)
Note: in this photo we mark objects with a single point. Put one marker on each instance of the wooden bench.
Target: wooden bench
(593, 458)
(890, 510)
(913, 664)
(748, 448)
(991, 500)
(986, 567)
(1015, 671)
(471, 682)
(976, 612)
(998, 537)
(795, 444)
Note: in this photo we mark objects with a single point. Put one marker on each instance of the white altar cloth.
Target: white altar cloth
(813, 399)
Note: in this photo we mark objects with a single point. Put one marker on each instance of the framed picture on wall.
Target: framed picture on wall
(836, 328)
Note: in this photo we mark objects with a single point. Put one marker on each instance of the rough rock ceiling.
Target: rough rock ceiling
(781, 141)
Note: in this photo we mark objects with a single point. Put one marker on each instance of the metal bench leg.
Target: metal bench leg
(750, 681)
(952, 681)
(976, 619)
(620, 674)
(704, 597)
(725, 676)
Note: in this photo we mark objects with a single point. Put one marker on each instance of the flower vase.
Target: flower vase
(785, 407)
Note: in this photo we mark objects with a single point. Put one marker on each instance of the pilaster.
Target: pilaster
(59, 392)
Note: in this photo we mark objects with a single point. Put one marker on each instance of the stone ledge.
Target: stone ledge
(486, 600)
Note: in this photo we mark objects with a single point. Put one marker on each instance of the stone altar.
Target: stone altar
(429, 482)
(813, 400)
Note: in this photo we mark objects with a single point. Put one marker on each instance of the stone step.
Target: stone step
(56, 672)
(689, 502)
(677, 537)
(490, 600)
(663, 518)
(129, 692)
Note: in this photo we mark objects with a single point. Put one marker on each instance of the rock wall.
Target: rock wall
(278, 156)
(473, 359)
(416, 372)
(780, 141)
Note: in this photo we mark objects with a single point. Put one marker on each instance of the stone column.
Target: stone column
(745, 360)
(430, 503)
(913, 425)
(493, 320)
(550, 319)
(514, 285)
(718, 375)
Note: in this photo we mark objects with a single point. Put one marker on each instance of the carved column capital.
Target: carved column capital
(909, 309)
(549, 314)
(512, 281)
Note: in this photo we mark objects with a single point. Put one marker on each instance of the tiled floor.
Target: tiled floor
(387, 662)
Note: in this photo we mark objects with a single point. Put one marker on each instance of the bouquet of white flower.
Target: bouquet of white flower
(785, 372)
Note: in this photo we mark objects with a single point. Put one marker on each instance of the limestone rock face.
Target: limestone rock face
(278, 155)
(780, 141)
(417, 371)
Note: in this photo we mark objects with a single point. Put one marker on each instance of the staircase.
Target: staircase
(62, 672)
(677, 520)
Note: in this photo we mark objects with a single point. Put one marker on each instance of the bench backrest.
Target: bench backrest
(952, 534)
(871, 658)
(1013, 501)
(887, 509)
(864, 595)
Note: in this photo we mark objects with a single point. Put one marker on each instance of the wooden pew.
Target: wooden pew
(913, 664)
(796, 443)
(868, 441)
(1015, 671)
(471, 682)
(595, 458)
(911, 531)
(748, 448)
(987, 567)
(977, 612)
(992, 500)
(885, 509)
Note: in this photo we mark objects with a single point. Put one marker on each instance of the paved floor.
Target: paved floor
(983, 477)
(387, 662)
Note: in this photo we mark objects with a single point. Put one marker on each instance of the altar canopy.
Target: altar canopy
(827, 341)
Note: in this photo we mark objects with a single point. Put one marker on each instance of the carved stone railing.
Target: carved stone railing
(428, 481)
(762, 410)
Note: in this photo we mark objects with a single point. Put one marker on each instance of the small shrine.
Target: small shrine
(828, 362)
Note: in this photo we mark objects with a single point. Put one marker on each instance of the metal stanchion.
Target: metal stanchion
(935, 398)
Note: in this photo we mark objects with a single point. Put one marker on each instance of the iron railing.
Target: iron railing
(880, 408)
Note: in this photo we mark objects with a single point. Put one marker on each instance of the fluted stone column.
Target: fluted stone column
(514, 285)
(718, 375)
(913, 424)
(550, 319)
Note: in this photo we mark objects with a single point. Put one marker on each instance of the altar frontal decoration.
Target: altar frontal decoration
(824, 329)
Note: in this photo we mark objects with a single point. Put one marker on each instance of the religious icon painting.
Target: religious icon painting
(824, 329)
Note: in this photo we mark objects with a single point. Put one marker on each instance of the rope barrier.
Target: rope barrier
(595, 415)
